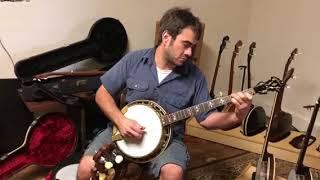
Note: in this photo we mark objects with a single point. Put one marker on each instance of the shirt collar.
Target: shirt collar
(148, 58)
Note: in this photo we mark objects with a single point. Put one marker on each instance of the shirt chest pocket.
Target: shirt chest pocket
(136, 89)
(177, 99)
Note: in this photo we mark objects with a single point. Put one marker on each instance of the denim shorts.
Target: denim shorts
(175, 153)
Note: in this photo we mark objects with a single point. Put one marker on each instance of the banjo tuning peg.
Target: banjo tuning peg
(108, 165)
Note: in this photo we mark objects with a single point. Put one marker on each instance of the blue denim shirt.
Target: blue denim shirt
(185, 86)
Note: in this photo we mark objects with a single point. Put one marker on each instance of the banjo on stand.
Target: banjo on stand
(222, 47)
(301, 171)
(157, 123)
(282, 125)
(255, 121)
(266, 163)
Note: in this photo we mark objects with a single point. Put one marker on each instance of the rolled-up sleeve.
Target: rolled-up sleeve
(114, 79)
(202, 95)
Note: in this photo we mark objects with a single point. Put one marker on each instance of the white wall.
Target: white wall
(278, 27)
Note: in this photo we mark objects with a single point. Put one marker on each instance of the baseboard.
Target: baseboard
(281, 150)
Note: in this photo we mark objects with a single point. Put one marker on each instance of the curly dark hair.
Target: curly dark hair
(176, 19)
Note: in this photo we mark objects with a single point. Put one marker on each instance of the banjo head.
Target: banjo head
(266, 168)
(68, 172)
(292, 175)
(147, 114)
(255, 122)
(305, 174)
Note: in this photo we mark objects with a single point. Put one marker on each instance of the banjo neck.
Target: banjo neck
(197, 109)
(264, 154)
(234, 55)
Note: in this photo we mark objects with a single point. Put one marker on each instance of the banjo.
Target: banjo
(301, 171)
(222, 47)
(282, 124)
(266, 165)
(157, 122)
(236, 50)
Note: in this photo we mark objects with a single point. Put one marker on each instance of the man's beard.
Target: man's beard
(169, 57)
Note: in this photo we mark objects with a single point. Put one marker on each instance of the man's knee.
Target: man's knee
(84, 169)
(171, 172)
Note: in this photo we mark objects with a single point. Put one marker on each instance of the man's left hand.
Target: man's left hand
(242, 102)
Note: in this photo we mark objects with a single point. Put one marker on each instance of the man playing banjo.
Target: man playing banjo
(164, 75)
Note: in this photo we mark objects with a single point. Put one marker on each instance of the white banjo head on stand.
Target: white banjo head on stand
(68, 172)
(294, 176)
(147, 117)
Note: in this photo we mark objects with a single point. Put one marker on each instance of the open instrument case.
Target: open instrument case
(52, 137)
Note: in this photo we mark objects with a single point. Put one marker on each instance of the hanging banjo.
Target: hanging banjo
(236, 50)
(222, 47)
(157, 123)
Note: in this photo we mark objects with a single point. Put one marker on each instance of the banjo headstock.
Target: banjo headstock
(293, 54)
(251, 48)
(108, 163)
(224, 43)
(237, 47)
(273, 84)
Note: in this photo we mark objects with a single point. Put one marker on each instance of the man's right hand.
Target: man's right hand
(131, 129)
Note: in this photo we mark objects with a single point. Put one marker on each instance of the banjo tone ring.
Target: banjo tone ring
(163, 142)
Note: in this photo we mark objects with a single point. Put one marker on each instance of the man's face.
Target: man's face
(178, 51)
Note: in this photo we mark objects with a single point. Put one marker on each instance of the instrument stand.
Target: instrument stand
(297, 142)
(248, 171)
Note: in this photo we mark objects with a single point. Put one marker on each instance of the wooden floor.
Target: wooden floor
(209, 161)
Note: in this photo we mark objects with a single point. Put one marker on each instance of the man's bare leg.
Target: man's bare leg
(85, 167)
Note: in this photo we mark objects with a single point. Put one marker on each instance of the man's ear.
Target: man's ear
(166, 37)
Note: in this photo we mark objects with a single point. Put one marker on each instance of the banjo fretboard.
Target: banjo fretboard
(196, 109)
